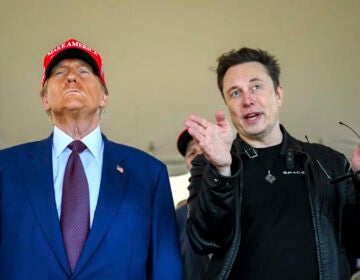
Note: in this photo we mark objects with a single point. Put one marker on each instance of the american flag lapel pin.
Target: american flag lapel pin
(120, 169)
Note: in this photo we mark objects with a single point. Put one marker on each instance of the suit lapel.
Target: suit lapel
(37, 171)
(112, 189)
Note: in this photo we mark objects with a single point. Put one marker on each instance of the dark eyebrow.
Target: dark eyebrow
(56, 67)
(251, 80)
(232, 88)
(255, 80)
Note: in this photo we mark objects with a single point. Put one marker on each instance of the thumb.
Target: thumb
(221, 119)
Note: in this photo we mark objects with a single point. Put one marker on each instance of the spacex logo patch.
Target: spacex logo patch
(293, 172)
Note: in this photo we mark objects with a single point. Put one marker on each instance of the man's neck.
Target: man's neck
(273, 138)
(77, 129)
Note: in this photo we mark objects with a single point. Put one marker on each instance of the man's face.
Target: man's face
(73, 88)
(253, 102)
(192, 150)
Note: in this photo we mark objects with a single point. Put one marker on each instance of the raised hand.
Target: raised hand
(355, 160)
(215, 139)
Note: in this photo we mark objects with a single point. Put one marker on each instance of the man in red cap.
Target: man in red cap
(194, 265)
(76, 205)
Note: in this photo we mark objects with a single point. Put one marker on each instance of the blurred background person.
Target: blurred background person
(194, 265)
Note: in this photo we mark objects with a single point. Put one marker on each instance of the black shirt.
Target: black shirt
(277, 239)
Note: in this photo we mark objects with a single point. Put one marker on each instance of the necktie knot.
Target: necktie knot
(77, 146)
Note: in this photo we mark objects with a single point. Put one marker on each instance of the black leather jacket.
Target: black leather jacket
(214, 222)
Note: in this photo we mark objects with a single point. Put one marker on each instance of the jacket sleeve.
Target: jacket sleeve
(211, 217)
(351, 226)
(165, 258)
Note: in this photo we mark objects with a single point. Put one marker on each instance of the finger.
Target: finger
(195, 130)
(219, 115)
(195, 118)
(193, 125)
(221, 118)
(198, 135)
(199, 120)
(204, 123)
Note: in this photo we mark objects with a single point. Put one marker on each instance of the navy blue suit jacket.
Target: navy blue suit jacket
(194, 265)
(133, 235)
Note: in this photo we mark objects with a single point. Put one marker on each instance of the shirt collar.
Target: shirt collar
(93, 141)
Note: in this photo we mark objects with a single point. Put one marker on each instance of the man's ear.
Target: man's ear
(279, 95)
(45, 100)
(104, 98)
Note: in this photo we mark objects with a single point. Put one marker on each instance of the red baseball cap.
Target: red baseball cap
(72, 48)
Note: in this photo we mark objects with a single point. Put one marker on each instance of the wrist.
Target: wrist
(357, 175)
(224, 170)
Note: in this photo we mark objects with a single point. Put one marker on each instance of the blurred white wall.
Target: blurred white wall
(179, 186)
(159, 58)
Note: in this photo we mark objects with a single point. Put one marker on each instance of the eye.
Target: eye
(59, 72)
(255, 88)
(235, 93)
(190, 154)
(84, 71)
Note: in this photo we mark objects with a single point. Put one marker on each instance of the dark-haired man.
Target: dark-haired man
(264, 204)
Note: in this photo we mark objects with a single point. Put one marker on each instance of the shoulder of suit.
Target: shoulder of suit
(132, 152)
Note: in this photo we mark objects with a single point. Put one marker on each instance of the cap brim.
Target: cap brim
(72, 53)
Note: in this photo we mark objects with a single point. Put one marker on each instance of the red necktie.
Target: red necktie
(75, 216)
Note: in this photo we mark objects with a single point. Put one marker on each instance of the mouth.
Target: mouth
(252, 116)
(72, 91)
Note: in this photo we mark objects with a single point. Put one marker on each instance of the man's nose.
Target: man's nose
(247, 98)
(71, 76)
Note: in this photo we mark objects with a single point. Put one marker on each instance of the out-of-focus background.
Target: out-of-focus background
(159, 58)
